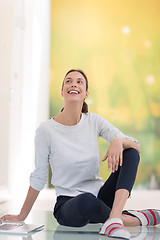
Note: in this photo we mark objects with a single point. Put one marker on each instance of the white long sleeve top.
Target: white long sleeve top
(73, 154)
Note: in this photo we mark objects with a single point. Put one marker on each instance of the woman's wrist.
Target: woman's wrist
(130, 144)
(22, 216)
(118, 140)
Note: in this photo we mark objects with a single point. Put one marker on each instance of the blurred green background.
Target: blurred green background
(117, 45)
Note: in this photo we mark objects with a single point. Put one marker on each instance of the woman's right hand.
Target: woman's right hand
(30, 199)
(114, 154)
(10, 217)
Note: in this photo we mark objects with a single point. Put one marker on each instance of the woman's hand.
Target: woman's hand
(28, 203)
(15, 218)
(115, 154)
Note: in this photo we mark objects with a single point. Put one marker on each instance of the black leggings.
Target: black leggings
(86, 208)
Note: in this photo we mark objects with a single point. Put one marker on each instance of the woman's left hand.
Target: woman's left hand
(115, 154)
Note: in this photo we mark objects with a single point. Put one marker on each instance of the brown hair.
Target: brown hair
(85, 106)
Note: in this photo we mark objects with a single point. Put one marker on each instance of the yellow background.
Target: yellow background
(117, 45)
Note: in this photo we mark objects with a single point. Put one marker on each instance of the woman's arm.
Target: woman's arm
(42, 151)
(115, 152)
(27, 206)
(130, 144)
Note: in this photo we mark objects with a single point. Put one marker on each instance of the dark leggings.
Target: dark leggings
(86, 208)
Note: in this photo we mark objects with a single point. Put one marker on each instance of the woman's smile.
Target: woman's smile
(74, 92)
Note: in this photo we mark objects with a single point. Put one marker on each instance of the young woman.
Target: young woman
(69, 142)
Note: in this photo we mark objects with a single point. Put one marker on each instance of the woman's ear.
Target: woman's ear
(62, 93)
(87, 94)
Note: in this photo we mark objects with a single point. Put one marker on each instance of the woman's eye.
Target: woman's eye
(80, 82)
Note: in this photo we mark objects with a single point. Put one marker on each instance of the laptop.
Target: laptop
(18, 227)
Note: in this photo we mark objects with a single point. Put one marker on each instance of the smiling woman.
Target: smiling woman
(69, 142)
(81, 80)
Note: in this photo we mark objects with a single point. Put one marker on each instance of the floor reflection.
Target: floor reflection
(27, 238)
(90, 232)
(142, 233)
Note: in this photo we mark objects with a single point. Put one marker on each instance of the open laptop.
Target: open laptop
(18, 227)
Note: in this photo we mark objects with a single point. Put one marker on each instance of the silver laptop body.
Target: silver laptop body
(18, 227)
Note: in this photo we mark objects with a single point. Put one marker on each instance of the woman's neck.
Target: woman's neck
(69, 116)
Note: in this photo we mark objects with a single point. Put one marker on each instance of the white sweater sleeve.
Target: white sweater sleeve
(38, 177)
(109, 132)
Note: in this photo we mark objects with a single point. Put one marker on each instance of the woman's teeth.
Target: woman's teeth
(75, 92)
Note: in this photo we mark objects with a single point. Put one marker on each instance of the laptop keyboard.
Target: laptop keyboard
(10, 226)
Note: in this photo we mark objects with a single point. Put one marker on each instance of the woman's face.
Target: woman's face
(74, 87)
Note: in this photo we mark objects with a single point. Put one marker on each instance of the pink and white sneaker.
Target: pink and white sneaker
(114, 228)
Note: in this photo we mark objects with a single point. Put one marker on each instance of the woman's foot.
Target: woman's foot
(114, 228)
(148, 217)
(130, 220)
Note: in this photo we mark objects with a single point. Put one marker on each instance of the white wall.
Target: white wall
(5, 75)
(29, 55)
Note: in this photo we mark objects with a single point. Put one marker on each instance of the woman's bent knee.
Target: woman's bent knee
(132, 153)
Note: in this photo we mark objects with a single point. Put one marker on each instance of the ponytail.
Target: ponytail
(85, 108)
